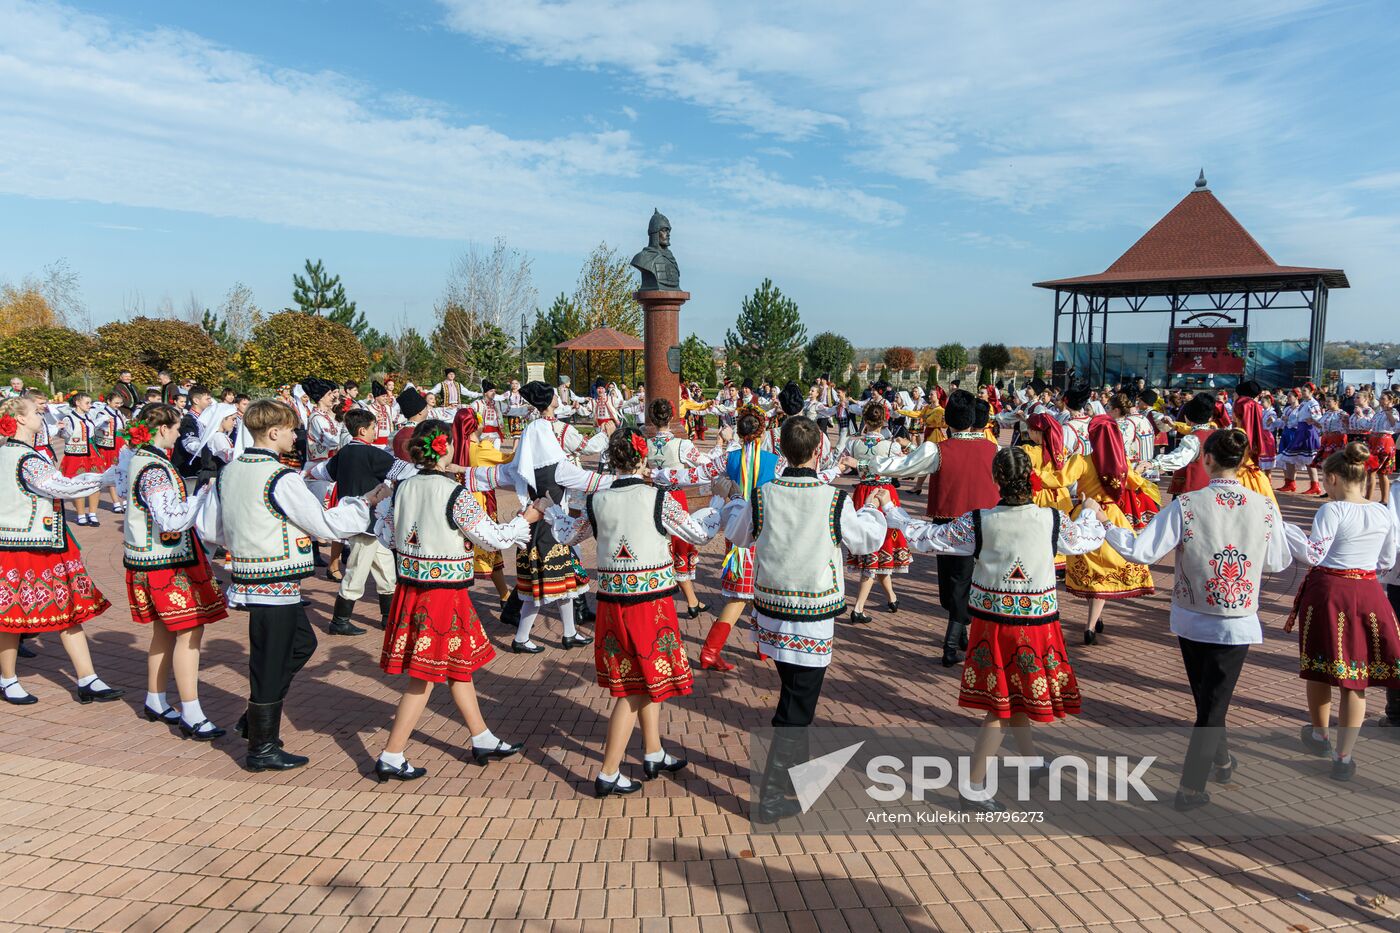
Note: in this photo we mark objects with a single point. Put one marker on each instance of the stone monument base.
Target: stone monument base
(661, 316)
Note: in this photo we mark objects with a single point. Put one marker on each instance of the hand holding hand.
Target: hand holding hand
(376, 495)
(726, 434)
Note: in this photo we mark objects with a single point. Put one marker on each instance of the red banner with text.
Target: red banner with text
(1205, 350)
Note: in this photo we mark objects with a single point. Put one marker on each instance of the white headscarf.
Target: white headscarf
(210, 421)
(538, 447)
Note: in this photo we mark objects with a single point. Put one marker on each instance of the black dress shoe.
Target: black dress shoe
(861, 618)
(28, 699)
(1090, 636)
(94, 522)
(524, 647)
(169, 717)
(106, 695)
(602, 788)
(693, 612)
(1190, 799)
(1224, 774)
(990, 805)
(27, 652)
(892, 606)
(502, 750)
(1320, 747)
(652, 769)
(201, 734)
(951, 657)
(1098, 627)
(404, 772)
(577, 641)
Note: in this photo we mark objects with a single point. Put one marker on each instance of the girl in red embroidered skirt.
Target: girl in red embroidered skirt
(893, 555)
(1017, 669)
(637, 645)
(169, 584)
(80, 454)
(1348, 636)
(44, 586)
(433, 633)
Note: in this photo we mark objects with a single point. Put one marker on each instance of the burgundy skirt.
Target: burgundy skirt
(434, 634)
(1347, 631)
(637, 650)
(1019, 669)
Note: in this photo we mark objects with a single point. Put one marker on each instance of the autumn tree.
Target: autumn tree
(48, 350)
(697, 362)
(407, 352)
(322, 294)
(603, 296)
(768, 338)
(290, 346)
(146, 345)
(829, 353)
(24, 306)
(900, 358)
(992, 357)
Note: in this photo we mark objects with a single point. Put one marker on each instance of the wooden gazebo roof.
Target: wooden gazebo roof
(602, 338)
(1198, 247)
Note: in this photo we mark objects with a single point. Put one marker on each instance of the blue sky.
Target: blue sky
(904, 175)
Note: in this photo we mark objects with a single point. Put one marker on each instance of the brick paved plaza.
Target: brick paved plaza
(114, 823)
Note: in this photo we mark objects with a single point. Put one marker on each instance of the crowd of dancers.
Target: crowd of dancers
(401, 490)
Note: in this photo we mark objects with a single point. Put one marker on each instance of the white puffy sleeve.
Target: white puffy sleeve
(957, 538)
(471, 519)
(303, 508)
(1312, 548)
(918, 461)
(862, 530)
(695, 529)
(168, 509)
(42, 478)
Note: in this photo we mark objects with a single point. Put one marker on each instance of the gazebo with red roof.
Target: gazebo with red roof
(600, 340)
(1196, 262)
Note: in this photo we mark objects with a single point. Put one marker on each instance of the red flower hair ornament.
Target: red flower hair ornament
(639, 444)
(138, 433)
(8, 426)
(436, 443)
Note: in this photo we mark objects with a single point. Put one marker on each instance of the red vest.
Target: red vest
(964, 478)
(1193, 476)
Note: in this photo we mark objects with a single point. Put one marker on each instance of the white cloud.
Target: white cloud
(751, 185)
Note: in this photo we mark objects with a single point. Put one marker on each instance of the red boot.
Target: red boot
(714, 644)
(1314, 490)
(1289, 486)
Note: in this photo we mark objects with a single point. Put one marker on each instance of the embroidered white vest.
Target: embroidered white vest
(634, 548)
(664, 452)
(1225, 533)
(264, 546)
(79, 441)
(430, 549)
(1013, 581)
(144, 545)
(28, 522)
(797, 551)
(867, 448)
(106, 438)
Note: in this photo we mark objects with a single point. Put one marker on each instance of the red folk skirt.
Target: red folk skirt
(893, 555)
(1347, 631)
(179, 598)
(637, 650)
(1331, 443)
(434, 634)
(1019, 669)
(110, 455)
(47, 591)
(683, 553)
(1382, 453)
(90, 462)
(736, 575)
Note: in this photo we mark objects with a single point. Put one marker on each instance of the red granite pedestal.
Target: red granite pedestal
(661, 311)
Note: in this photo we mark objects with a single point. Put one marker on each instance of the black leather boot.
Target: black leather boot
(385, 601)
(264, 742)
(774, 804)
(340, 621)
(510, 610)
(581, 611)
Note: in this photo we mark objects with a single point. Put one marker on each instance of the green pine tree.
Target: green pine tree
(768, 339)
(319, 293)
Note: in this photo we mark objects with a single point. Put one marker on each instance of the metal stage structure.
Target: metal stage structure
(1197, 263)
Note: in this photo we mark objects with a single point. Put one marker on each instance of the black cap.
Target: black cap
(1199, 409)
(961, 410)
(790, 399)
(411, 402)
(537, 394)
(316, 389)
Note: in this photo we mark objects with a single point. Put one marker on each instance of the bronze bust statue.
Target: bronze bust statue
(657, 263)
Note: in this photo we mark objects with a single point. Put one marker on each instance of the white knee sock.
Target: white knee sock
(566, 615)
(529, 611)
(156, 702)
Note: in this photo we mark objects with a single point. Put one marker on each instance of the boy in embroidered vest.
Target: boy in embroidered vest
(1186, 460)
(1225, 537)
(638, 652)
(433, 634)
(797, 525)
(266, 517)
(1017, 670)
(169, 583)
(355, 469)
(960, 480)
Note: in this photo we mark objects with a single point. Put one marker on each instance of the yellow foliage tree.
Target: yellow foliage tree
(291, 346)
(47, 350)
(146, 345)
(23, 307)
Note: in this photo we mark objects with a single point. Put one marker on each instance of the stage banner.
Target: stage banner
(1199, 351)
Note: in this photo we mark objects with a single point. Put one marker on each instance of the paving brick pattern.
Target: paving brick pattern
(109, 822)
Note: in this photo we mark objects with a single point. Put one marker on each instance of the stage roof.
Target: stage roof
(602, 338)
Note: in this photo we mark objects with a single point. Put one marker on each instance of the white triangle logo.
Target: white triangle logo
(811, 778)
